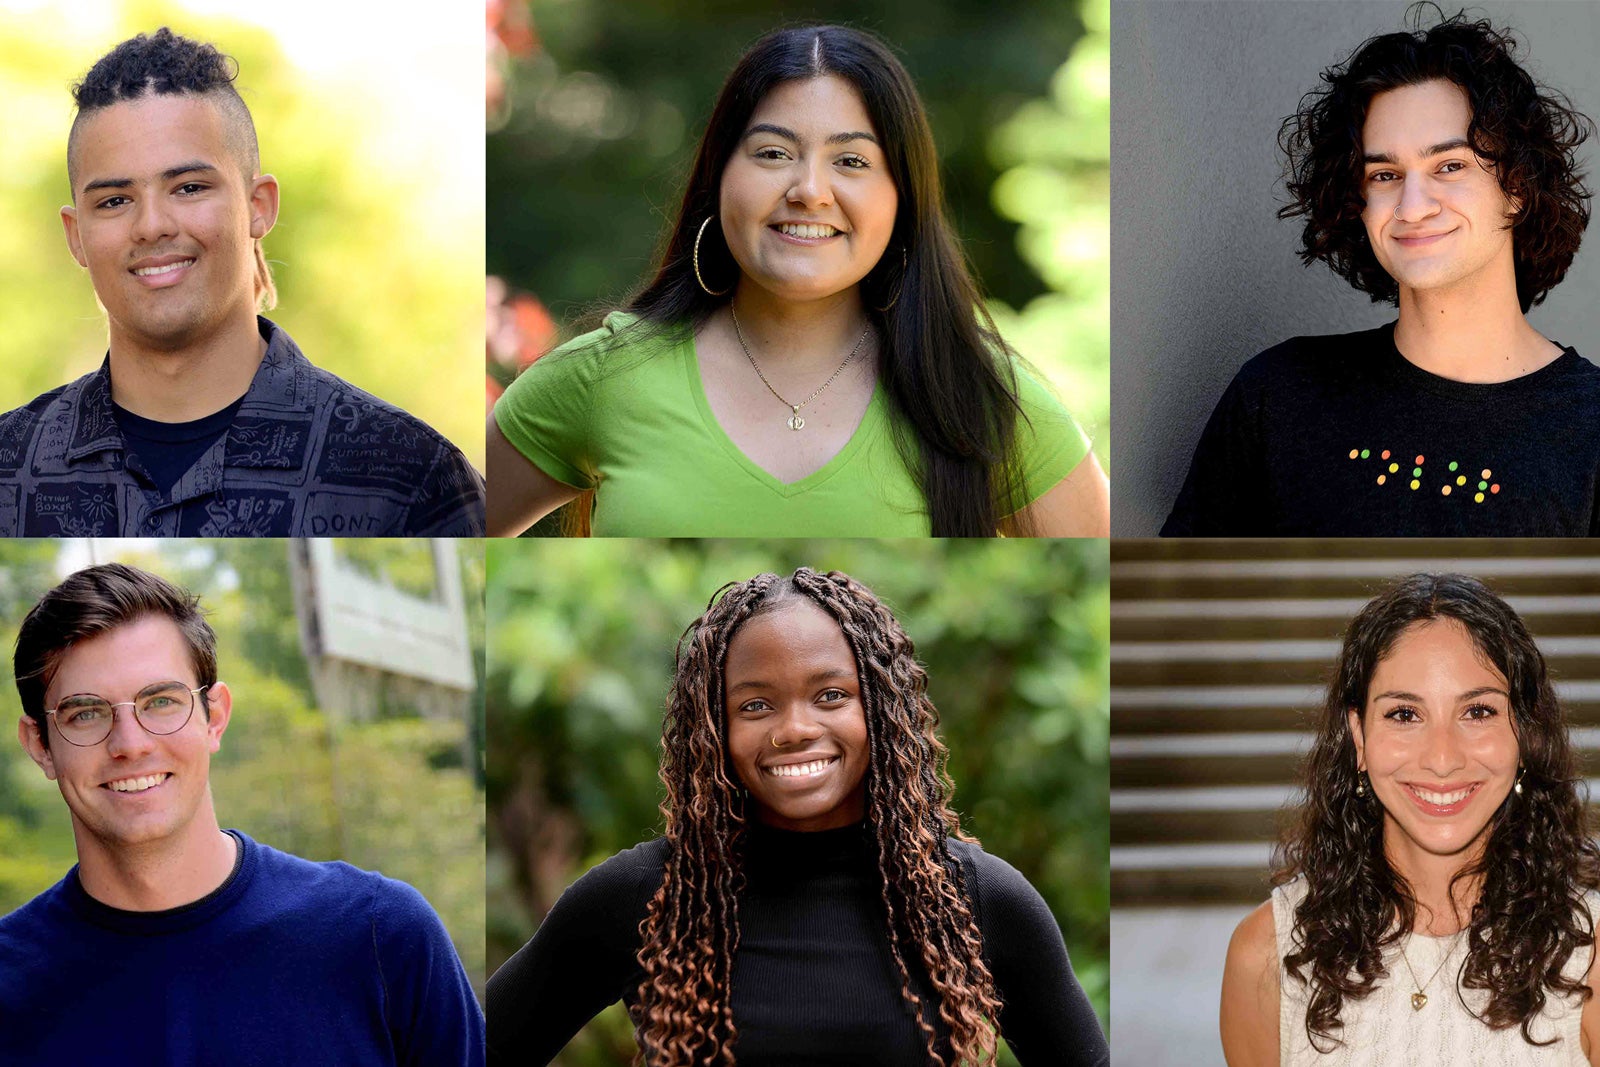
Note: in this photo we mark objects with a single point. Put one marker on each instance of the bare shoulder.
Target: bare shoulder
(1254, 944)
(1250, 992)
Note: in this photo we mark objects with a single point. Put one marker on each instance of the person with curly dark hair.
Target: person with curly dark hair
(1436, 897)
(813, 899)
(1431, 171)
(205, 419)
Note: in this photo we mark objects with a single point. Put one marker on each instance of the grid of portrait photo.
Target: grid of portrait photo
(776, 679)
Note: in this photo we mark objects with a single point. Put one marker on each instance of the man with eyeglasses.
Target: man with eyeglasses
(173, 941)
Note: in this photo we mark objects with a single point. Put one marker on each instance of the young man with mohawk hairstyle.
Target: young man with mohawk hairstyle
(205, 419)
(172, 941)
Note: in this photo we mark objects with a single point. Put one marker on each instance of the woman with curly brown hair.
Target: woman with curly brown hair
(1436, 897)
(1430, 171)
(813, 900)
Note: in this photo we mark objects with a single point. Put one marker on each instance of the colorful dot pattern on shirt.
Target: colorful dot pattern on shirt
(1486, 488)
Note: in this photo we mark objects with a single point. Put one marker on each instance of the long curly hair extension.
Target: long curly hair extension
(1537, 863)
(683, 1017)
(1528, 133)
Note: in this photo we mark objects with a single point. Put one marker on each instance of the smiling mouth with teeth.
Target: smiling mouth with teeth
(137, 785)
(801, 770)
(1442, 800)
(145, 272)
(809, 230)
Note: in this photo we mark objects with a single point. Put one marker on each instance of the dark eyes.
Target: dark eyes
(1383, 177)
(827, 696)
(851, 162)
(186, 189)
(1407, 713)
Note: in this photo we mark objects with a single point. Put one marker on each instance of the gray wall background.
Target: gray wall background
(1203, 276)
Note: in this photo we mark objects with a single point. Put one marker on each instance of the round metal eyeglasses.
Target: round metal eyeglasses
(163, 708)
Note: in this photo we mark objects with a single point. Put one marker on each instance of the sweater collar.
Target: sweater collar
(183, 917)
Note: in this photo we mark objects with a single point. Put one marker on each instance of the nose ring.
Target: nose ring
(774, 741)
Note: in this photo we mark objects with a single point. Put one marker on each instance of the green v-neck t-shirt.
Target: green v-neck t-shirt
(629, 418)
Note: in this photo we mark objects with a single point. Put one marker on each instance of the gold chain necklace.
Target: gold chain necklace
(795, 422)
(1419, 999)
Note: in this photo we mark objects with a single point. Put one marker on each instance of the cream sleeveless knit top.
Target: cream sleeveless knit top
(1383, 1029)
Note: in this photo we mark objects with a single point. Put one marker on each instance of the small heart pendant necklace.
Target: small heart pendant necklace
(1419, 999)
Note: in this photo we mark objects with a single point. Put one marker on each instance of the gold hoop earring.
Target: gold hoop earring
(896, 299)
(697, 275)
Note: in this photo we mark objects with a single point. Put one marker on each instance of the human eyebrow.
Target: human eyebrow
(108, 183)
(1470, 694)
(1447, 146)
(827, 675)
(768, 127)
(790, 135)
(1432, 150)
(195, 166)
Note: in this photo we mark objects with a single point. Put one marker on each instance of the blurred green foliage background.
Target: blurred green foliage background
(594, 129)
(377, 251)
(395, 795)
(1014, 635)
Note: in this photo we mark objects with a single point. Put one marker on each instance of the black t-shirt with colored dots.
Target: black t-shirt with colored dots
(1341, 436)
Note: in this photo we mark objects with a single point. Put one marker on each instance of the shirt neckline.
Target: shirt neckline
(184, 916)
(175, 432)
(871, 418)
(1409, 374)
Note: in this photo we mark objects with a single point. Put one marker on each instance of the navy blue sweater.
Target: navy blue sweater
(288, 962)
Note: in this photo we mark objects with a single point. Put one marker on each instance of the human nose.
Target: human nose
(811, 183)
(128, 736)
(1443, 754)
(1417, 201)
(796, 726)
(153, 220)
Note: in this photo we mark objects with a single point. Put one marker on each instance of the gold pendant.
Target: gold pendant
(796, 422)
(1418, 1000)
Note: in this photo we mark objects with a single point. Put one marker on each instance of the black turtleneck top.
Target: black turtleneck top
(813, 982)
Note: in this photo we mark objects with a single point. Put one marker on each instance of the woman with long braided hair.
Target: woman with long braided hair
(1436, 896)
(813, 900)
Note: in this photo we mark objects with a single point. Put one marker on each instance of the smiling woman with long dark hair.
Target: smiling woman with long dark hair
(811, 357)
(813, 899)
(1436, 897)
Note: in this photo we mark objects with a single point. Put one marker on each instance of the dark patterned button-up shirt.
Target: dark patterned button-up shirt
(308, 455)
